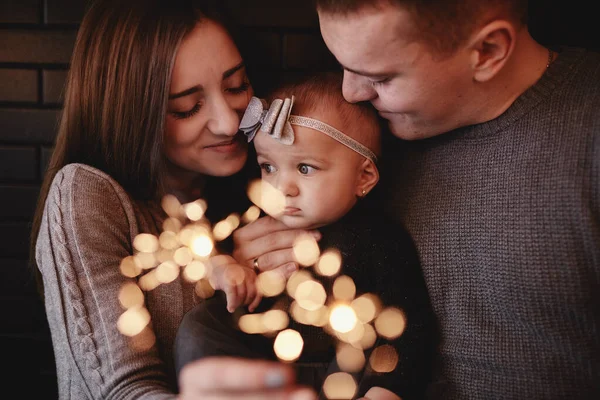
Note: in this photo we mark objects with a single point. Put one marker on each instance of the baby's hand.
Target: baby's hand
(238, 282)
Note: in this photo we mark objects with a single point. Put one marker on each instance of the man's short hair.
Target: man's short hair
(443, 24)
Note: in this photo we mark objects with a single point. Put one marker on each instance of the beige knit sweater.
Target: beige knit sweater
(88, 227)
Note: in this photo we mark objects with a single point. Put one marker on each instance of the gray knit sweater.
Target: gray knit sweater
(506, 219)
(88, 227)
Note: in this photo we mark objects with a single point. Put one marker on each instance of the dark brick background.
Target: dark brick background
(36, 40)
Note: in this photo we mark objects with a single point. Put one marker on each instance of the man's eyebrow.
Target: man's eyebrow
(198, 88)
(365, 73)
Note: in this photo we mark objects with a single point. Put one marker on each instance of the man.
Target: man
(497, 179)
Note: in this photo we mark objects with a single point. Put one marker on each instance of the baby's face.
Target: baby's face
(317, 175)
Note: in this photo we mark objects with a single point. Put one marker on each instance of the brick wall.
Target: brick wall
(36, 40)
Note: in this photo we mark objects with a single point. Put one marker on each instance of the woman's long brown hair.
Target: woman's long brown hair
(116, 94)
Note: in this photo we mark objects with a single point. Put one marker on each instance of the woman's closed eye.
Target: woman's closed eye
(306, 169)
(243, 88)
(187, 114)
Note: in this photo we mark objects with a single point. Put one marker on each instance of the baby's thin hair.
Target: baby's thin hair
(320, 96)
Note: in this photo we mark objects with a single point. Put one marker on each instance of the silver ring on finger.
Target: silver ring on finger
(255, 264)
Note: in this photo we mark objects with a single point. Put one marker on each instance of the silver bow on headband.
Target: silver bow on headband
(273, 121)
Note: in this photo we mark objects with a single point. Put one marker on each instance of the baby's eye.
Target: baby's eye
(306, 169)
(267, 168)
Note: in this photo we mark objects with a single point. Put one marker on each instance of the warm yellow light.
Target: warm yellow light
(275, 320)
(350, 359)
(288, 345)
(194, 271)
(330, 263)
(168, 240)
(344, 288)
(306, 250)
(195, 210)
(171, 205)
(251, 324)
(270, 283)
(172, 225)
(339, 386)
(222, 230)
(202, 246)
(149, 281)
(145, 260)
(203, 289)
(366, 307)
(131, 295)
(296, 279)
(129, 267)
(390, 323)
(310, 295)
(384, 359)
(183, 256)
(167, 272)
(342, 318)
(145, 243)
(133, 321)
(267, 197)
(251, 215)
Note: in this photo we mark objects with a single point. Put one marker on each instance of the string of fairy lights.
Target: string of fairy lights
(186, 246)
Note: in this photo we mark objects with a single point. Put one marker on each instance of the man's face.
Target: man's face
(418, 92)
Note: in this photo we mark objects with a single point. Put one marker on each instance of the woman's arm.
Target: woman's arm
(87, 230)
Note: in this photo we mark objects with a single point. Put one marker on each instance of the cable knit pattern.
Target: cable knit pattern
(84, 331)
(88, 227)
(505, 218)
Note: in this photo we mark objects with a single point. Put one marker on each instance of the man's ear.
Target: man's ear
(368, 176)
(491, 47)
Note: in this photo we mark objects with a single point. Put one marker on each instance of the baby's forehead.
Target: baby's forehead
(306, 141)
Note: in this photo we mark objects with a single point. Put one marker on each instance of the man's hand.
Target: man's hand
(226, 378)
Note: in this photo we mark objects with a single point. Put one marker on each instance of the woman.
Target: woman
(152, 106)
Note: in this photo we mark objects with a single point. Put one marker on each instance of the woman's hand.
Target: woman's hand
(270, 243)
(226, 378)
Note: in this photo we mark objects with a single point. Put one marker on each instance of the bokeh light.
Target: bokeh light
(129, 267)
(275, 320)
(349, 358)
(145, 243)
(344, 288)
(251, 215)
(296, 279)
(390, 323)
(288, 345)
(202, 245)
(204, 289)
(329, 263)
(270, 283)
(171, 206)
(306, 250)
(267, 197)
(195, 210)
(167, 272)
(310, 295)
(342, 318)
(383, 359)
(133, 321)
(195, 271)
(131, 295)
(339, 386)
(366, 307)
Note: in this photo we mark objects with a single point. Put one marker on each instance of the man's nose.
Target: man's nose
(356, 88)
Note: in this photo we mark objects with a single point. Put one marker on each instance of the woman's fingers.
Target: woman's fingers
(290, 394)
(258, 228)
(271, 250)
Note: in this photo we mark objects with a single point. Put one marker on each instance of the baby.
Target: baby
(321, 153)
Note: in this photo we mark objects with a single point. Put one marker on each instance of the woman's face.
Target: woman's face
(209, 93)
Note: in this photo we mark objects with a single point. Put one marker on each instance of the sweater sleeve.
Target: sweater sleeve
(87, 229)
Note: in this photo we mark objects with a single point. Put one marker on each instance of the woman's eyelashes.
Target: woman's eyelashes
(187, 114)
(243, 88)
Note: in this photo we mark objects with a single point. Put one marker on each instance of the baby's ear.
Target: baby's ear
(368, 176)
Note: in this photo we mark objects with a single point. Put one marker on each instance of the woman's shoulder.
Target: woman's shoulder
(83, 189)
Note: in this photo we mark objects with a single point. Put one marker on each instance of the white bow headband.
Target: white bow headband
(276, 121)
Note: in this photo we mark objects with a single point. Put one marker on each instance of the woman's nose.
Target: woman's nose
(356, 88)
(224, 119)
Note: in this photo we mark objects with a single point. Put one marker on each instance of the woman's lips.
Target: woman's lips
(229, 146)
